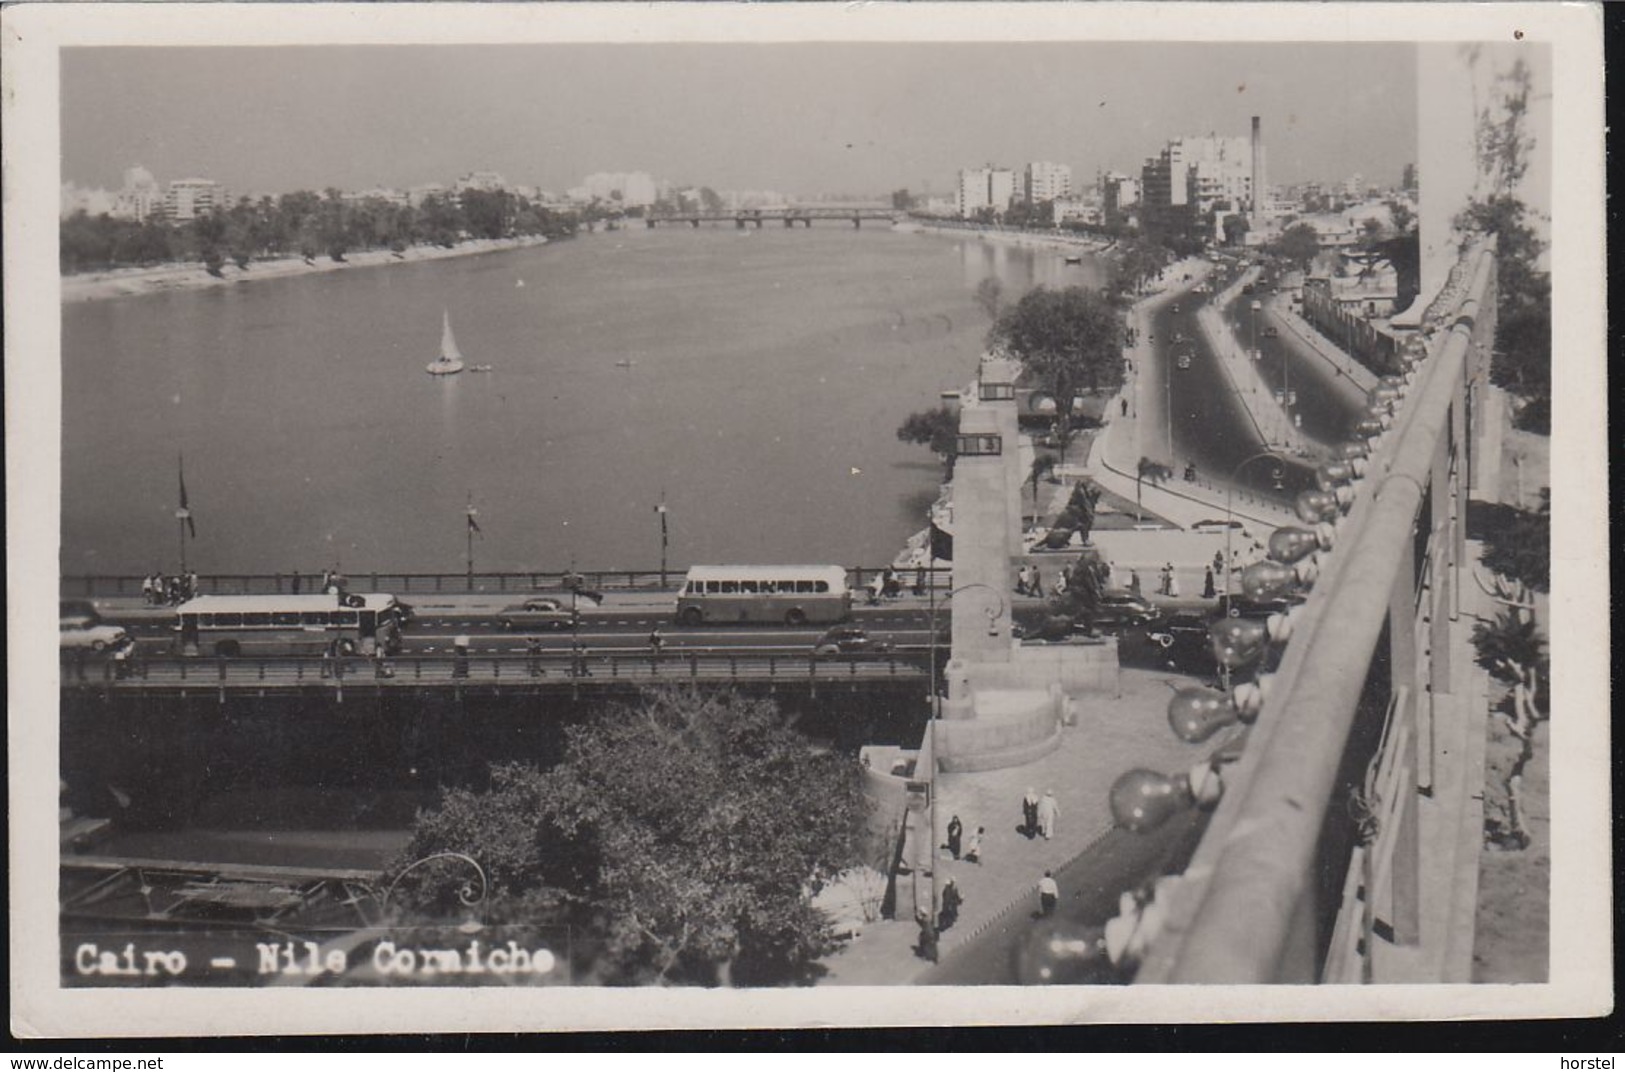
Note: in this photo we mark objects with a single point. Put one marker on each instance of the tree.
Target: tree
(1156, 472)
(1235, 229)
(1298, 245)
(1400, 212)
(935, 428)
(1043, 465)
(684, 836)
(1069, 340)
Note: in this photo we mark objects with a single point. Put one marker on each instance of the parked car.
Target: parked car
(1235, 606)
(536, 613)
(82, 627)
(848, 640)
(1272, 333)
(1181, 642)
(1215, 524)
(1121, 609)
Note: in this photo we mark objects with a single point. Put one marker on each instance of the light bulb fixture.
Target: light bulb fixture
(1334, 474)
(1205, 785)
(1195, 714)
(1289, 543)
(1238, 642)
(1142, 800)
(1352, 449)
(1368, 428)
(1279, 626)
(1058, 952)
(1315, 505)
(1267, 579)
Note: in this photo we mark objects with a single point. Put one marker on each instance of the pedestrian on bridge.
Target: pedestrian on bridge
(973, 847)
(656, 642)
(1208, 591)
(1134, 581)
(956, 830)
(1029, 813)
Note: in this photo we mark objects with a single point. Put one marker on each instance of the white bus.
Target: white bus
(794, 595)
(339, 623)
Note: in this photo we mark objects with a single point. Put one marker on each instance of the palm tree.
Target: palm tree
(1155, 472)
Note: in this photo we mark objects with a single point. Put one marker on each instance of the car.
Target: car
(1234, 606)
(82, 628)
(1121, 609)
(536, 613)
(1181, 642)
(848, 640)
(1213, 524)
(1272, 333)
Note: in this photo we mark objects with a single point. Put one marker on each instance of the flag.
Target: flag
(474, 526)
(185, 512)
(942, 544)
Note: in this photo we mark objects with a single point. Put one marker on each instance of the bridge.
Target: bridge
(790, 216)
(486, 674)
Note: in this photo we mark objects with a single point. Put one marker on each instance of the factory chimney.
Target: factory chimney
(1259, 194)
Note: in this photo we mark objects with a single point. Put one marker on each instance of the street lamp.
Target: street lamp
(993, 615)
(1229, 510)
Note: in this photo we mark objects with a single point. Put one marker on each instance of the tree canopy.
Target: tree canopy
(1298, 244)
(682, 836)
(935, 428)
(1070, 341)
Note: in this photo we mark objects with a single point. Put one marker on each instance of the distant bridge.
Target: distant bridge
(789, 216)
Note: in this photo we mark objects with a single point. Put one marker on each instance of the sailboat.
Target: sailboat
(450, 360)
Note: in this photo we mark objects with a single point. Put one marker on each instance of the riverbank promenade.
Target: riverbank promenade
(1131, 730)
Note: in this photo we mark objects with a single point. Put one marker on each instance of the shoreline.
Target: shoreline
(135, 282)
(1040, 239)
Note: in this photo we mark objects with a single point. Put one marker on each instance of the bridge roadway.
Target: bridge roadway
(790, 216)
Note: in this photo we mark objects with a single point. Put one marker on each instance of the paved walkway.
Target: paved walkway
(1113, 735)
(1279, 308)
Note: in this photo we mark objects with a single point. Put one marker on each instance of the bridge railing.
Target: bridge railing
(108, 586)
(169, 672)
(1251, 906)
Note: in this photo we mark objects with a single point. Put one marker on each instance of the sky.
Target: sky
(802, 118)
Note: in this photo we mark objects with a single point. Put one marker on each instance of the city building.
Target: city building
(1195, 176)
(139, 197)
(378, 193)
(628, 188)
(187, 199)
(1043, 181)
(1353, 284)
(985, 187)
(416, 195)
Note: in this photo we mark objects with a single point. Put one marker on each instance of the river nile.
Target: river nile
(767, 377)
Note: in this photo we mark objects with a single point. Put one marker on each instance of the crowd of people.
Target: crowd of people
(159, 590)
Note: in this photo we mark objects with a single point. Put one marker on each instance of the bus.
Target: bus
(794, 595)
(331, 623)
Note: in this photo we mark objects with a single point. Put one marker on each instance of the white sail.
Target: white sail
(448, 345)
(450, 359)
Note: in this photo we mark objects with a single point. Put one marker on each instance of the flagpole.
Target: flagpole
(469, 533)
(661, 510)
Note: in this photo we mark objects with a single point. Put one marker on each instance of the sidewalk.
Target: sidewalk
(1279, 307)
(1113, 735)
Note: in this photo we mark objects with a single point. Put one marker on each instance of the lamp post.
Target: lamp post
(993, 616)
(1229, 509)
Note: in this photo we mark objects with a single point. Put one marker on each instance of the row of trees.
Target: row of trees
(305, 224)
(680, 839)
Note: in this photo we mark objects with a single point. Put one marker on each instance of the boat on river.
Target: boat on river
(450, 359)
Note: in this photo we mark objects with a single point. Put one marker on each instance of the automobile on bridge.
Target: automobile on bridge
(82, 627)
(537, 612)
(848, 640)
